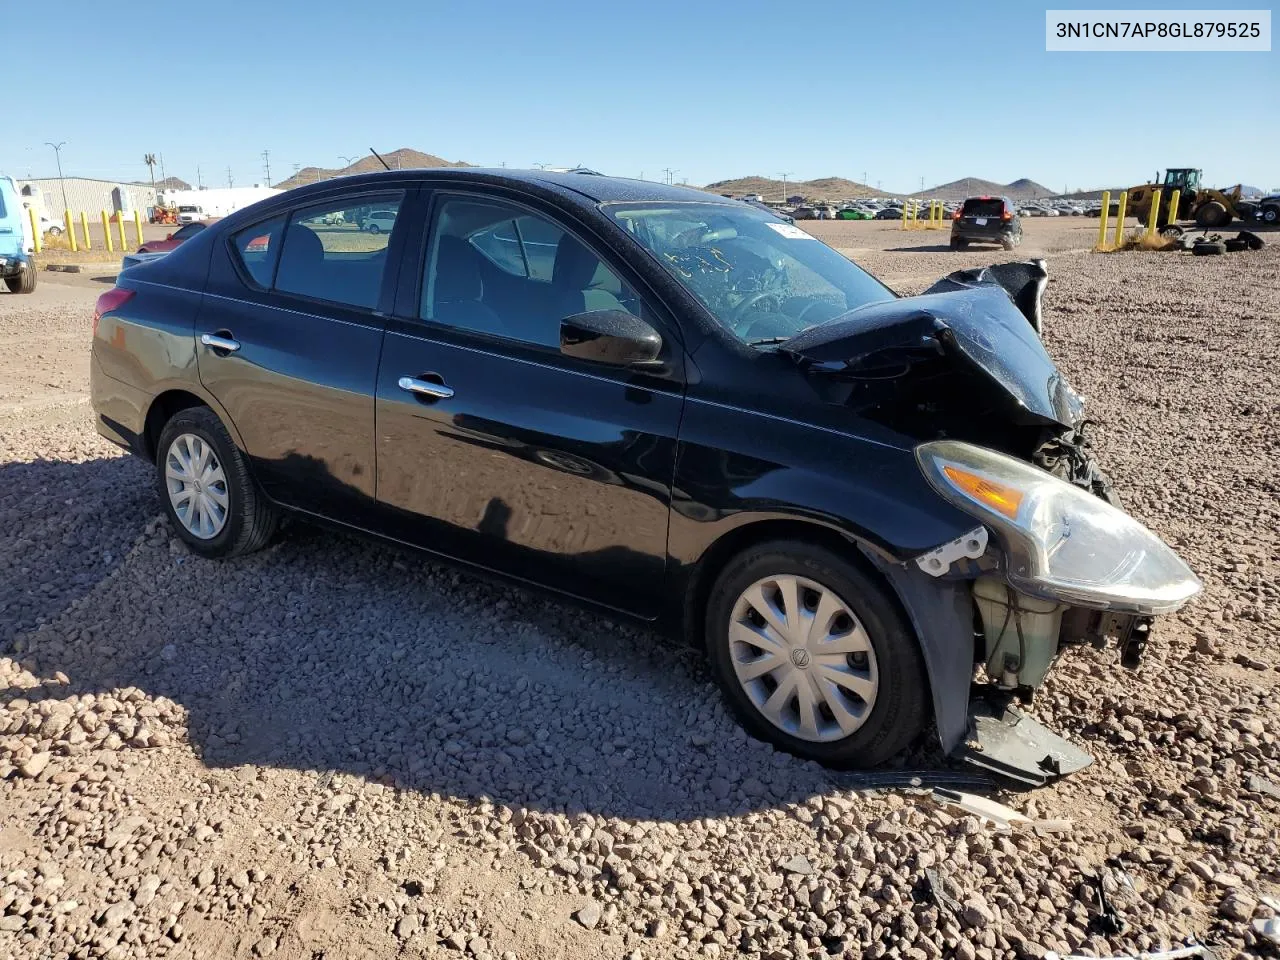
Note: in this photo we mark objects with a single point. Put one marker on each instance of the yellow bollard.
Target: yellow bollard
(1175, 198)
(84, 228)
(906, 212)
(37, 241)
(70, 231)
(1103, 214)
(106, 231)
(1154, 215)
(137, 222)
(1124, 202)
(124, 244)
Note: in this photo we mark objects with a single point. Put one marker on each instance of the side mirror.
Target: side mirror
(615, 337)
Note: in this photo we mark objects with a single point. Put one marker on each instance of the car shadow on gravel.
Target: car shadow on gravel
(328, 653)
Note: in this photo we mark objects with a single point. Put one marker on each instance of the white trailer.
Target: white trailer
(196, 205)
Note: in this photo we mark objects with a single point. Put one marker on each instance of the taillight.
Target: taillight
(113, 299)
(956, 215)
(1006, 215)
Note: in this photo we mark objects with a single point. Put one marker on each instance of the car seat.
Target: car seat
(458, 287)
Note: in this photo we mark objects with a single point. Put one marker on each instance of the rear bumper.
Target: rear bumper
(12, 264)
(991, 234)
(119, 410)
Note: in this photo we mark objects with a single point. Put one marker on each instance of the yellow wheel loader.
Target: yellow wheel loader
(1211, 209)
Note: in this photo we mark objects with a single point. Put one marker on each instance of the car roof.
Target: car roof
(592, 186)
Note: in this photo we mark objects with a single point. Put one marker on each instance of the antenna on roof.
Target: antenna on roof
(380, 160)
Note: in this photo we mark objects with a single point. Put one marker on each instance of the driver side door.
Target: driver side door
(496, 449)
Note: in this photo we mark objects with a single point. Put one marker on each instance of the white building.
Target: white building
(84, 194)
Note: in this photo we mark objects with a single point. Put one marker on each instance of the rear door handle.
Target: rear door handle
(220, 343)
(425, 388)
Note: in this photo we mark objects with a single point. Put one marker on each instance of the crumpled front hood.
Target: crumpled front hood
(978, 325)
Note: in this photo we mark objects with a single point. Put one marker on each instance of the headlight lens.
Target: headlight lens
(1062, 542)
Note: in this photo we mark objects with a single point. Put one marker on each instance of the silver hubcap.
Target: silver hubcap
(803, 658)
(197, 486)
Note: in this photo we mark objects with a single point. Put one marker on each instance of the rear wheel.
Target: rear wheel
(373, 228)
(813, 656)
(1008, 243)
(1270, 214)
(206, 490)
(24, 282)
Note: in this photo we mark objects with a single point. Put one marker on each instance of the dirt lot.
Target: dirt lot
(334, 749)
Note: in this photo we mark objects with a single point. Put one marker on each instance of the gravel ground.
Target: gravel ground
(336, 749)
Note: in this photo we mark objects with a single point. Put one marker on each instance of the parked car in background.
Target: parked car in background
(178, 237)
(986, 220)
(16, 269)
(853, 213)
(661, 402)
(889, 213)
(379, 221)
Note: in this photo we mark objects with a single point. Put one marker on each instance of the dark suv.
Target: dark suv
(986, 220)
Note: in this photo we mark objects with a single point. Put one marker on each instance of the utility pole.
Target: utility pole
(150, 160)
(57, 152)
(199, 181)
(922, 184)
(784, 184)
(163, 178)
(669, 172)
(266, 159)
(541, 166)
(230, 182)
(864, 178)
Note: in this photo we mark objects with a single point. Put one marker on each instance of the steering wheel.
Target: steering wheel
(805, 311)
(741, 310)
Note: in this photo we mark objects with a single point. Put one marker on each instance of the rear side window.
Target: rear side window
(983, 207)
(257, 248)
(336, 252)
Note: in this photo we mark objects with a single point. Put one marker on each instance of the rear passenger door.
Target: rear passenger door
(288, 339)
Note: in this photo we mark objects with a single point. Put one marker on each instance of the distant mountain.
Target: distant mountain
(402, 159)
(168, 183)
(1023, 189)
(825, 188)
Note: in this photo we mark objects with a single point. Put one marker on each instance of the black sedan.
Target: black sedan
(660, 402)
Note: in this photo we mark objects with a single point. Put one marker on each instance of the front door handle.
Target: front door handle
(425, 388)
(220, 343)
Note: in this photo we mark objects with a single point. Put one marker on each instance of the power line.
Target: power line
(230, 182)
(784, 184)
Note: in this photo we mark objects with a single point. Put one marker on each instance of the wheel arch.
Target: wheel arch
(172, 400)
(742, 537)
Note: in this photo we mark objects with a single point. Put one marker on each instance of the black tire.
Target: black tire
(24, 282)
(1008, 244)
(251, 519)
(961, 244)
(1208, 248)
(1270, 213)
(374, 229)
(1235, 244)
(1252, 240)
(954, 244)
(901, 708)
(1212, 215)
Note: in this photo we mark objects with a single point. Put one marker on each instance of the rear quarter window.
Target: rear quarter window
(257, 248)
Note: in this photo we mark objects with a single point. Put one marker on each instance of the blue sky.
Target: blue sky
(901, 91)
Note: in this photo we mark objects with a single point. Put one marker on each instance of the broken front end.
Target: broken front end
(1052, 559)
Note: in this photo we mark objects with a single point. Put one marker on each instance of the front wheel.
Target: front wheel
(813, 655)
(374, 229)
(206, 490)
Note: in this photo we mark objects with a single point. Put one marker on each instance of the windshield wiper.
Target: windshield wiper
(767, 341)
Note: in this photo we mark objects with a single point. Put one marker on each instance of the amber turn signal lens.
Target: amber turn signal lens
(997, 496)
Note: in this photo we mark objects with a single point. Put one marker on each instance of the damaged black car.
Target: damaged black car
(875, 514)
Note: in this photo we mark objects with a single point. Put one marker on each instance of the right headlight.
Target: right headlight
(1061, 542)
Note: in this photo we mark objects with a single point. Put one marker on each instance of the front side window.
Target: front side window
(762, 279)
(332, 253)
(498, 269)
